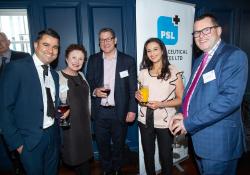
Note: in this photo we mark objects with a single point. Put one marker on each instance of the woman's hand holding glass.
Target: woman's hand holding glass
(64, 110)
(154, 104)
(64, 115)
(142, 95)
(151, 104)
(138, 95)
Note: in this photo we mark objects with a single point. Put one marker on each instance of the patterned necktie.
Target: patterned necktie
(3, 64)
(193, 85)
(50, 104)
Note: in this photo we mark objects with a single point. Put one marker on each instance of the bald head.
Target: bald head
(4, 43)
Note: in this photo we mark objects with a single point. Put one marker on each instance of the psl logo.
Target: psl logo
(168, 29)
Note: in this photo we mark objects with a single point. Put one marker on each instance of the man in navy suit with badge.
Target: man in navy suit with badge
(112, 79)
(211, 109)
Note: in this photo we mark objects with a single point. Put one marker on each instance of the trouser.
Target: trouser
(215, 167)
(5, 159)
(165, 140)
(83, 168)
(110, 137)
(44, 158)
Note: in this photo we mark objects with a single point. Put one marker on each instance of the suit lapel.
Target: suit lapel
(56, 82)
(35, 78)
(209, 67)
(194, 69)
(100, 68)
(117, 71)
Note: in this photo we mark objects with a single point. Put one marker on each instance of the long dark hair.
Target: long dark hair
(148, 64)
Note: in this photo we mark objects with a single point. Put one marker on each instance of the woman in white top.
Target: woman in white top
(165, 95)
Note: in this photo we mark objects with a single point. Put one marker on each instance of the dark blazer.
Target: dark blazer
(214, 119)
(16, 55)
(124, 87)
(22, 105)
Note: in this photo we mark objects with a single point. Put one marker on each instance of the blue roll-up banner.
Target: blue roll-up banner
(172, 22)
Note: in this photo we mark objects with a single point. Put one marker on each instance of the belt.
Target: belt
(108, 107)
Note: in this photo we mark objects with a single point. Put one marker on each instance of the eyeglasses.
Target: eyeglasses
(108, 40)
(204, 31)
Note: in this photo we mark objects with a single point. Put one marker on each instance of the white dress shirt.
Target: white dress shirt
(47, 120)
(109, 78)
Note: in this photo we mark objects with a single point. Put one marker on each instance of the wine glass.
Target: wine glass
(107, 91)
(65, 123)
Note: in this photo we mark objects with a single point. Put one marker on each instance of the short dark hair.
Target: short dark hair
(49, 32)
(208, 15)
(79, 47)
(106, 29)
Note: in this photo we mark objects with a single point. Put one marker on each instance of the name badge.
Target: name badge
(124, 74)
(47, 82)
(209, 76)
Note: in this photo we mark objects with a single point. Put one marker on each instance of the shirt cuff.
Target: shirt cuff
(93, 94)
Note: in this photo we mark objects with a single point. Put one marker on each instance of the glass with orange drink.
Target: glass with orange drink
(144, 93)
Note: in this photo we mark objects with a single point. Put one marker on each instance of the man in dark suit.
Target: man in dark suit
(211, 111)
(7, 55)
(111, 69)
(6, 52)
(29, 99)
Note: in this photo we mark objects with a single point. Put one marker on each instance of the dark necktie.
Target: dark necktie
(50, 104)
(3, 64)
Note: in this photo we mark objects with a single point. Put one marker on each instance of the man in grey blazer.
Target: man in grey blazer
(111, 112)
(211, 110)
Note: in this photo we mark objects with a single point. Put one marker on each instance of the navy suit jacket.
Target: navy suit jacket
(22, 104)
(124, 87)
(14, 55)
(214, 120)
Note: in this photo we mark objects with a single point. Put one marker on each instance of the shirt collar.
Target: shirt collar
(211, 52)
(37, 61)
(115, 55)
(7, 54)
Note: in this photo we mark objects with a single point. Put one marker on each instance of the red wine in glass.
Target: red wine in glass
(107, 91)
(63, 108)
(64, 122)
